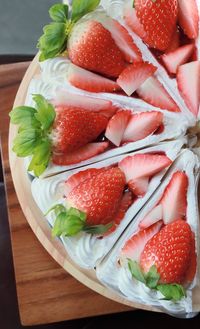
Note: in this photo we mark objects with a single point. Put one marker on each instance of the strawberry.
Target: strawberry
(169, 250)
(153, 92)
(135, 245)
(142, 125)
(177, 57)
(158, 19)
(73, 128)
(92, 47)
(174, 43)
(188, 80)
(90, 81)
(139, 168)
(174, 199)
(99, 196)
(133, 22)
(188, 17)
(133, 76)
(83, 153)
(153, 216)
(117, 125)
(191, 271)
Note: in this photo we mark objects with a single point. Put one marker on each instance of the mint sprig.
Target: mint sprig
(33, 133)
(53, 42)
(174, 292)
(70, 222)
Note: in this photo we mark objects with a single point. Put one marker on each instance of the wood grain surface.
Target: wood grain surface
(46, 292)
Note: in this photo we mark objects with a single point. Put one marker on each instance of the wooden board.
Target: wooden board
(46, 292)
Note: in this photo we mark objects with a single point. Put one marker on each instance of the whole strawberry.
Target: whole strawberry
(73, 128)
(169, 251)
(158, 18)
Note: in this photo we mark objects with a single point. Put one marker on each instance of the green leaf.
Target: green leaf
(133, 5)
(54, 40)
(173, 292)
(24, 116)
(26, 141)
(41, 157)
(97, 229)
(81, 8)
(136, 271)
(59, 13)
(58, 208)
(45, 112)
(152, 277)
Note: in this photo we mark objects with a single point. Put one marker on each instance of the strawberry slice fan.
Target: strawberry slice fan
(110, 134)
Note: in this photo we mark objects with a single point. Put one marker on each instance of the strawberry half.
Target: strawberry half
(153, 92)
(188, 80)
(133, 22)
(158, 19)
(74, 128)
(188, 17)
(153, 216)
(133, 76)
(142, 125)
(117, 125)
(174, 43)
(169, 250)
(90, 81)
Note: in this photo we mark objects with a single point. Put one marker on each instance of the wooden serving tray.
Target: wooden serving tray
(39, 224)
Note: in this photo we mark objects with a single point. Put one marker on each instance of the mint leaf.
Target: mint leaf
(26, 141)
(54, 40)
(81, 8)
(152, 277)
(59, 13)
(173, 292)
(41, 157)
(45, 112)
(136, 271)
(24, 116)
(97, 229)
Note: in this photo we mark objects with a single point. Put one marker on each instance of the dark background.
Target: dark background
(21, 24)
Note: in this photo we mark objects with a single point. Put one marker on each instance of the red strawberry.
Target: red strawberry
(158, 19)
(140, 167)
(169, 250)
(99, 196)
(90, 81)
(79, 177)
(152, 217)
(192, 267)
(124, 205)
(117, 125)
(92, 47)
(74, 128)
(174, 199)
(188, 80)
(174, 43)
(153, 92)
(142, 125)
(133, 22)
(178, 57)
(188, 17)
(133, 76)
(135, 245)
(84, 153)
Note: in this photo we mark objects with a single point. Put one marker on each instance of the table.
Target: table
(46, 293)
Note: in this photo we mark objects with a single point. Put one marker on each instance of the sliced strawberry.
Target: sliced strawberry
(192, 266)
(135, 245)
(142, 125)
(124, 205)
(153, 92)
(90, 81)
(152, 217)
(117, 125)
(178, 57)
(133, 76)
(139, 186)
(174, 43)
(79, 177)
(133, 22)
(84, 153)
(64, 98)
(188, 17)
(188, 80)
(174, 199)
